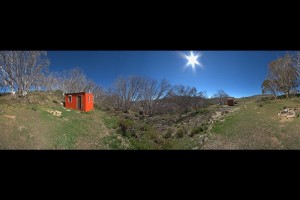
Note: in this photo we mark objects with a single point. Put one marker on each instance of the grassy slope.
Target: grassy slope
(252, 127)
(41, 130)
(255, 127)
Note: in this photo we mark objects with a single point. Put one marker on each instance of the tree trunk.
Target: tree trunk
(287, 95)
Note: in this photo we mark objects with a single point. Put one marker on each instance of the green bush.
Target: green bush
(125, 125)
(145, 127)
(201, 111)
(181, 132)
(267, 102)
(197, 130)
(168, 134)
(97, 106)
(264, 98)
(58, 93)
(260, 105)
(54, 101)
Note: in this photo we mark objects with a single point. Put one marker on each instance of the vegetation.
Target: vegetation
(141, 113)
(258, 127)
(283, 76)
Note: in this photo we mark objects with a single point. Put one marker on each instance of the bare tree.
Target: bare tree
(99, 94)
(69, 81)
(127, 91)
(295, 61)
(73, 80)
(184, 97)
(53, 81)
(221, 96)
(39, 82)
(2, 86)
(200, 100)
(270, 86)
(154, 94)
(21, 69)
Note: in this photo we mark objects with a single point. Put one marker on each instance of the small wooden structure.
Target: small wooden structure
(230, 101)
(82, 101)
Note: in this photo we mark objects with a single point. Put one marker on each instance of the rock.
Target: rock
(200, 142)
(205, 139)
(20, 128)
(291, 116)
(10, 116)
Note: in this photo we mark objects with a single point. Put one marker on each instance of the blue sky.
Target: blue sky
(239, 73)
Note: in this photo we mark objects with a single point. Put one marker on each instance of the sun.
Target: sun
(192, 60)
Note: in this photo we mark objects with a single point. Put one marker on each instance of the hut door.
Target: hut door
(79, 102)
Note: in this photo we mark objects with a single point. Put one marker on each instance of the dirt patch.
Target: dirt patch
(275, 141)
(284, 120)
(20, 128)
(217, 142)
(10, 116)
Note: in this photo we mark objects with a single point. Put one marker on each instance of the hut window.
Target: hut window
(88, 99)
(70, 98)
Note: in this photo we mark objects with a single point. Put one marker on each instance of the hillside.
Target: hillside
(258, 126)
(41, 122)
(27, 124)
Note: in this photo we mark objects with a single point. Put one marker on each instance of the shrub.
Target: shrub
(97, 106)
(197, 130)
(125, 125)
(54, 101)
(58, 93)
(267, 102)
(264, 99)
(168, 134)
(145, 127)
(260, 105)
(202, 111)
(180, 133)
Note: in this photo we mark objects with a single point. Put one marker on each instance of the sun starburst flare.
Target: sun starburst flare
(192, 61)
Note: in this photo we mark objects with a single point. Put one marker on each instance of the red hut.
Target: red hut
(80, 101)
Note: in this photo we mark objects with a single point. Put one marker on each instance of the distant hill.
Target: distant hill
(257, 95)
